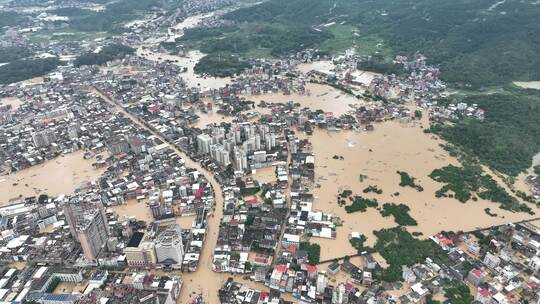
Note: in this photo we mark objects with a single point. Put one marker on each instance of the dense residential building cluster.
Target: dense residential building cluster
(498, 265)
(156, 155)
(131, 125)
(82, 230)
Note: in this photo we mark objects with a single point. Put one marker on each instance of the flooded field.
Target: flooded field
(15, 102)
(210, 118)
(189, 61)
(32, 81)
(265, 175)
(132, 207)
(520, 183)
(377, 155)
(319, 96)
(69, 287)
(528, 84)
(365, 223)
(321, 66)
(61, 175)
(185, 222)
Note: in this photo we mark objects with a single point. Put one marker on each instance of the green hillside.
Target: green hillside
(476, 43)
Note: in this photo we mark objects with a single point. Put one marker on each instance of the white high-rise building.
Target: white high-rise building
(224, 157)
(203, 143)
(169, 247)
(73, 131)
(228, 145)
(270, 141)
(322, 282)
(257, 140)
(240, 160)
(220, 155)
(339, 296)
(43, 138)
(259, 157)
(237, 135)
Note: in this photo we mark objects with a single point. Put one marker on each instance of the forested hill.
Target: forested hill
(476, 42)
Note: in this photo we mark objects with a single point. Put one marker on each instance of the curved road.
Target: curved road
(204, 280)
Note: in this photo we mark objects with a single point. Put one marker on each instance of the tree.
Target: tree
(400, 213)
(108, 53)
(229, 170)
(458, 293)
(23, 69)
(398, 247)
(313, 251)
(220, 65)
(43, 198)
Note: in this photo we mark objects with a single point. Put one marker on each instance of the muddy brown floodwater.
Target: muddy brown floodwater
(189, 61)
(61, 175)
(210, 118)
(378, 155)
(135, 208)
(320, 96)
(521, 183)
(15, 102)
(204, 281)
(265, 175)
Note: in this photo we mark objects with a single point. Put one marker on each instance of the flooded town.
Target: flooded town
(302, 178)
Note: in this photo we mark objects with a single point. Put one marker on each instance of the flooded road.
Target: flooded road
(204, 280)
(376, 155)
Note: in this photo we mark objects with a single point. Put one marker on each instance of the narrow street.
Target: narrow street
(287, 193)
(204, 280)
